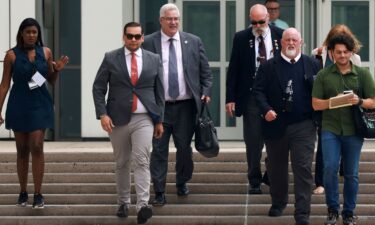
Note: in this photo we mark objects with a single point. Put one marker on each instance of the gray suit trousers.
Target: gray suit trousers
(132, 144)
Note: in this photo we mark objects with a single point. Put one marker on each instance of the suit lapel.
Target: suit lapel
(157, 44)
(276, 46)
(251, 45)
(184, 49)
(145, 65)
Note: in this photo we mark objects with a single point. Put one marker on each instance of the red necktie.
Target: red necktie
(134, 79)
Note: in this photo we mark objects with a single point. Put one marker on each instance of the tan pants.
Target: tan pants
(132, 144)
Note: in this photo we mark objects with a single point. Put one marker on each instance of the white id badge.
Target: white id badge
(38, 79)
(32, 85)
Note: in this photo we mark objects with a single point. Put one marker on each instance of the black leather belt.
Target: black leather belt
(175, 102)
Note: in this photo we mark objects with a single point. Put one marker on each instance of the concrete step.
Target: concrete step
(108, 167)
(169, 209)
(169, 220)
(81, 199)
(197, 188)
(225, 156)
(201, 177)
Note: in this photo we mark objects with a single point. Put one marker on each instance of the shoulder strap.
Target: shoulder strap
(359, 84)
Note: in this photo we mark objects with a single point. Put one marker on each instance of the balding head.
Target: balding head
(259, 19)
(291, 42)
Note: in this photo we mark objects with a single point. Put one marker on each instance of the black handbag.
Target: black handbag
(364, 119)
(206, 141)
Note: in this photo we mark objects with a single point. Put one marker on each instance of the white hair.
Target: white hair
(167, 7)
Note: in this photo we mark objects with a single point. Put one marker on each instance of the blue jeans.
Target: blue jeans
(349, 148)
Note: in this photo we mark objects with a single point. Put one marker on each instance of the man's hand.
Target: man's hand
(230, 107)
(106, 122)
(270, 116)
(158, 130)
(206, 99)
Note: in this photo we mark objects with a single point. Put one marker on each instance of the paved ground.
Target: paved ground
(105, 146)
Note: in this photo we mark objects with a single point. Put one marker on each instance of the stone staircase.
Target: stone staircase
(79, 188)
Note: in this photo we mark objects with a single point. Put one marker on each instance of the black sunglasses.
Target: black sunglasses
(131, 36)
(258, 22)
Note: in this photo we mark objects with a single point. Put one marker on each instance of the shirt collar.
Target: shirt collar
(354, 69)
(288, 59)
(265, 33)
(137, 53)
(165, 38)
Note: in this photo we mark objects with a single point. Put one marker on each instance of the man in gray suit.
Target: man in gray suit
(187, 82)
(132, 114)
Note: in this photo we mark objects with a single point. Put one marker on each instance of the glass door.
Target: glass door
(359, 17)
(215, 22)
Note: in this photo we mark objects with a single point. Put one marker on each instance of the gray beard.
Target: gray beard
(290, 53)
(263, 29)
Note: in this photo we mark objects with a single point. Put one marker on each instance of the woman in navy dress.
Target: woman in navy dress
(30, 108)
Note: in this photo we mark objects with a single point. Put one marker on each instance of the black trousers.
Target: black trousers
(252, 131)
(179, 121)
(299, 140)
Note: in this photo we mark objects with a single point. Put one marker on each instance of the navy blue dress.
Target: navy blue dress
(29, 110)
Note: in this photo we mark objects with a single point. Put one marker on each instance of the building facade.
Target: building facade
(85, 29)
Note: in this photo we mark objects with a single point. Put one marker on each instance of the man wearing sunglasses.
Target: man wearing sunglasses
(251, 47)
(187, 83)
(132, 114)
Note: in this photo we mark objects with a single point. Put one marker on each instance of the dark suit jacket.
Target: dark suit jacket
(195, 64)
(241, 70)
(113, 76)
(269, 92)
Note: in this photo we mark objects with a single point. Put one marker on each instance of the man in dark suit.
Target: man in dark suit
(132, 114)
(283, 90)
(187, 82)
(251, 47)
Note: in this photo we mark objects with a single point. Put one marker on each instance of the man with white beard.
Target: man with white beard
(283, 91)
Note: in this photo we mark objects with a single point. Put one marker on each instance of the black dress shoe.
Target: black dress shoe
(255, 190)
(182, 190)
(144, 214)
(122, 211)
(276, 211)
(265, 179)
(159, 199)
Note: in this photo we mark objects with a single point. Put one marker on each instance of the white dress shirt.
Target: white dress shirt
(184, 90)
(267, 38)
(289, 60)
(128, 57)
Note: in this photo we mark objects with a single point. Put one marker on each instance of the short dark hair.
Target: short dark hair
(341, 39)
(28, 22)
(133, 24)
(267, 1)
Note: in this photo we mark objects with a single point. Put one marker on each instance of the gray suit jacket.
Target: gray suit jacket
(113, 76)
(197, 71)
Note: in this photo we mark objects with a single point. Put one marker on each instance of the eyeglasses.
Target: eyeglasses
(260, 22)
(131, 36)
(170, 19)
(272, 9)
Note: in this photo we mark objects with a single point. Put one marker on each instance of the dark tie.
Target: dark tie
(173, 73)
(292, 61)
(262, 55)
(134, 79)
